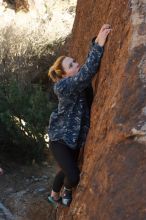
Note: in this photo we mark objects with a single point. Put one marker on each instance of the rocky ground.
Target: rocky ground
(24, 190)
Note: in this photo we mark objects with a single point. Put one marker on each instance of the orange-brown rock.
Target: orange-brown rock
(21, 5)
(113, 177)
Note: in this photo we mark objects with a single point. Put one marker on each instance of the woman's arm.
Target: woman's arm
(82, 79)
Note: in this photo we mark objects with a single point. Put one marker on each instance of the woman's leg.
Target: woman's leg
(57, 184)
(58, 181)
(67, 160)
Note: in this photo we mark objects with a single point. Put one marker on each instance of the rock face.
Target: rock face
(22, 5)
(113, 177)
(18, 4)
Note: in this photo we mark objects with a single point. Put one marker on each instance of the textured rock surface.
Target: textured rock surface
(24, 191)
(21, 5)
(113, 175)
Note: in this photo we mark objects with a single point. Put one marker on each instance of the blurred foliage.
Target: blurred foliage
(26, 101)
(24, 117)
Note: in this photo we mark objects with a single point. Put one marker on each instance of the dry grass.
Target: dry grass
(27, 38)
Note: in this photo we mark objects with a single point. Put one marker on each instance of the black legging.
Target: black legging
(69, 175)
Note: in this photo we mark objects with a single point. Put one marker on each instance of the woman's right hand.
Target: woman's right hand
(103, 33)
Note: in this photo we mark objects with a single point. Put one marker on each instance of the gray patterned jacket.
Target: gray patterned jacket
(71, 120)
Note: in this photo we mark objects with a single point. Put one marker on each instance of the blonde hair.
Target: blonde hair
(56, 70)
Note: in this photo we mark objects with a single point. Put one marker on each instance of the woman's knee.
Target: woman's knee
(60, 174)
(74, 178)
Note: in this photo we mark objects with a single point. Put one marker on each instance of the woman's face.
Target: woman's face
(70, 66)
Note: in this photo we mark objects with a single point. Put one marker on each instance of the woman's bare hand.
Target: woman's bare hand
(103, 33)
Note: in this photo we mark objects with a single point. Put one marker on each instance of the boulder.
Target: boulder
(113, 172)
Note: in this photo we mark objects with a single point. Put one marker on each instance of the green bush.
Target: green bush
(24, 117)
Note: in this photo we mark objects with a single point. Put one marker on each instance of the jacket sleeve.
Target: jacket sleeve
(92, 43)
(82, 79)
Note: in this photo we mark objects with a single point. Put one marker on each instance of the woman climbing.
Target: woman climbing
(69, 123)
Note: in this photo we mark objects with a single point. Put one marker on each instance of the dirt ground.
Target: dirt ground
(24, 190)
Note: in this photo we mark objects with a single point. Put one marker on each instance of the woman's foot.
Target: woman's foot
(55, 195)
(54, 199)
(54, 202)
(67, 197)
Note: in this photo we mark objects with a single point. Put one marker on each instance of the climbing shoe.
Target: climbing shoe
(54, 202)
(67, 197)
